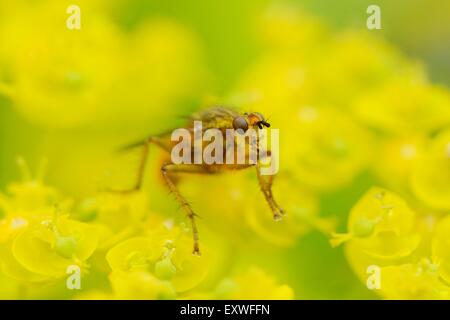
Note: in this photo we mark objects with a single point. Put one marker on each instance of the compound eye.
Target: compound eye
(240, 123)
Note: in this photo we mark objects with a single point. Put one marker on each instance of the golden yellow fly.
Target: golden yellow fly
(213, 118)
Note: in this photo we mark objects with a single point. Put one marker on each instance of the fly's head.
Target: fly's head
(250, 120)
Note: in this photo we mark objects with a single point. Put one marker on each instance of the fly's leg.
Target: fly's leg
(143, 161)
(141, 170)
(266, 188)
(180, 168)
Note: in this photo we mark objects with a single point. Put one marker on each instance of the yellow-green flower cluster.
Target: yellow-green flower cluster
(406, 236)
(143, 254)
(39, 239)
(347, 104)
(409, 246)
(99, 75)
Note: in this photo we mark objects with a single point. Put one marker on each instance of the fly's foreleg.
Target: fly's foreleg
(265, 183)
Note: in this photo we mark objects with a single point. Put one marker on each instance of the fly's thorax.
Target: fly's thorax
(219, 146)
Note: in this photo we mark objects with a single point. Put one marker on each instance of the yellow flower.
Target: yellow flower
(413, 281)
(10, 228)
(280, 80)
(332, 151)
(38, 251)
(59, 75)
(37, 243)
(382, 225)
(395, 158)
(356, 62)
(9, 288)
(254, 284)
(333, 148)
(48, 248)
(405, 107)
(284, 28)
(94, 295)
(139, 285)
(301, 207)
(117, 211)
(64, 78)
(155, 78)
(166, 253)
(31, 196)
(430, 178)
(441, 248)
(247, 218)
(408, 277)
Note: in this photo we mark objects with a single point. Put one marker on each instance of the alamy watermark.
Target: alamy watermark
(226, 147)
(73, 22)
(374, 279)
(73, 281)
(374, 20)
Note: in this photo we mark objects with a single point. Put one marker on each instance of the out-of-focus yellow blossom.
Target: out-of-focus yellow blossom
(10, 228)
(381, 224)
(139, 285)
(275, 85)
(165, 253)
(284, 29)
(307, 66)
(37, 243)
(280, 79)
(333, 148)
(37, 251)
(117, 211)
(117, 217)
(413, 281)
(49, 247)
(60, 74)
(9, 289)
(73, 78)
(321, 146)
(430, 178)
(402, 252)
(441, 249)
(94, 295)
(30, 197)
(405, 107)
(356, 62)
(301, 207)
(254, 284)
(162, 71)
(247, 213)
(235, 191)
(395, 157)
(340, 71)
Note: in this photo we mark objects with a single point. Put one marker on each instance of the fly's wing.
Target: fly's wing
(216, 117)
(124, 165)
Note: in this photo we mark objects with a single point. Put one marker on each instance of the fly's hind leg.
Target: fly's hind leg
(266, 188)
(142, 162)
(166, 170)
